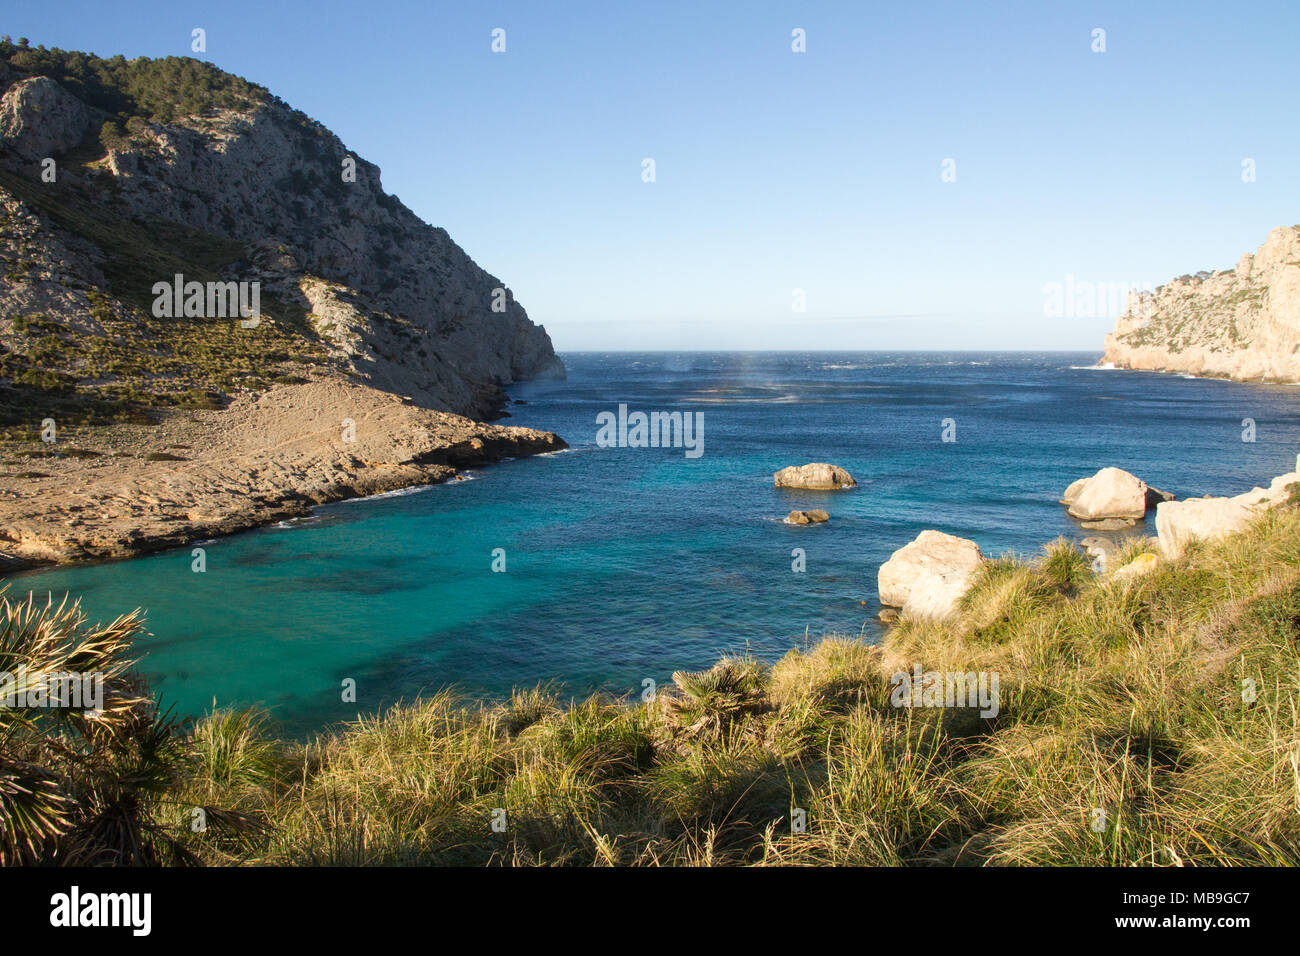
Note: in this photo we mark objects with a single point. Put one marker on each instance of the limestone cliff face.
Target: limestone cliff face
(38, 118)
(1242, 323)
(392, 300)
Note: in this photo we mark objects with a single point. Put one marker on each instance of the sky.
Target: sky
(918, 178)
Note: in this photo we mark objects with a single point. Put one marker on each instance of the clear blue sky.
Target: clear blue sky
(777, 170)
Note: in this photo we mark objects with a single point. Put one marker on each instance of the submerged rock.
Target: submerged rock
(1109, 524)
(815, 476)
(928, 576)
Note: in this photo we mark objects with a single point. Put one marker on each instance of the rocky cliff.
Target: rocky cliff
(133, 420)
(1241, 323)
(171, 166)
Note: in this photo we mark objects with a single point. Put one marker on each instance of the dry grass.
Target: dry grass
(1151, 722)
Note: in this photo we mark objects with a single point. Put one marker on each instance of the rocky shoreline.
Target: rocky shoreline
(928, 577)
(127, 490)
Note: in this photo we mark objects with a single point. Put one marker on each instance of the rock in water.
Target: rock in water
(1109, 524)
(1072, 492)
(815, 476)
(815, 516)
(928, 576)
(1110, 493)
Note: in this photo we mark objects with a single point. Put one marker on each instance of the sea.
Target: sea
(606, 566)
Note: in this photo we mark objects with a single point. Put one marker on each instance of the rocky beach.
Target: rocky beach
(126, 490)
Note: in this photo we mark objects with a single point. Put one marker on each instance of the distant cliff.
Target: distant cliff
(171, 166)
(1241, 323)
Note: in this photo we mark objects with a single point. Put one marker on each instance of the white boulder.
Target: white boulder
(1072, 492)
(928, 576)
(816, 476)
(1180, 522)
(1110, 493)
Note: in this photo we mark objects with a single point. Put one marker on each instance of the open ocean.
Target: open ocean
(628, 563)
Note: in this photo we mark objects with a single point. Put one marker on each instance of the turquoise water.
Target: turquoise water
(628, 563)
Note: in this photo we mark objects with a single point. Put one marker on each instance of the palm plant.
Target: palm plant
(710, 702)
(84, 779)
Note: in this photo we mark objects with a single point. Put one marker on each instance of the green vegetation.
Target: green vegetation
(78, 788)
(122, 364)
(141, 89)
(1148, 722)
(134, 362)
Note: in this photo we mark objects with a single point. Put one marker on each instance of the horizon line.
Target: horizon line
(839, 351)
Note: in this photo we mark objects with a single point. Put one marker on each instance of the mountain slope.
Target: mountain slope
(171, 166)
(130, 422)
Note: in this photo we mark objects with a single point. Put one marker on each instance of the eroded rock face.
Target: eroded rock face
(1109, 494)
(928, 576)
(1241, 323)
(269, 173)
(815, 476)
(406, 308)
(39, 118)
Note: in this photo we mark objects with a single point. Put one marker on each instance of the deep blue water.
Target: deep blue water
(627, 563)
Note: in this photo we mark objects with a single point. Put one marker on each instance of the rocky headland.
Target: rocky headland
(269, 456)
(127, 426)
(1241, 323)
